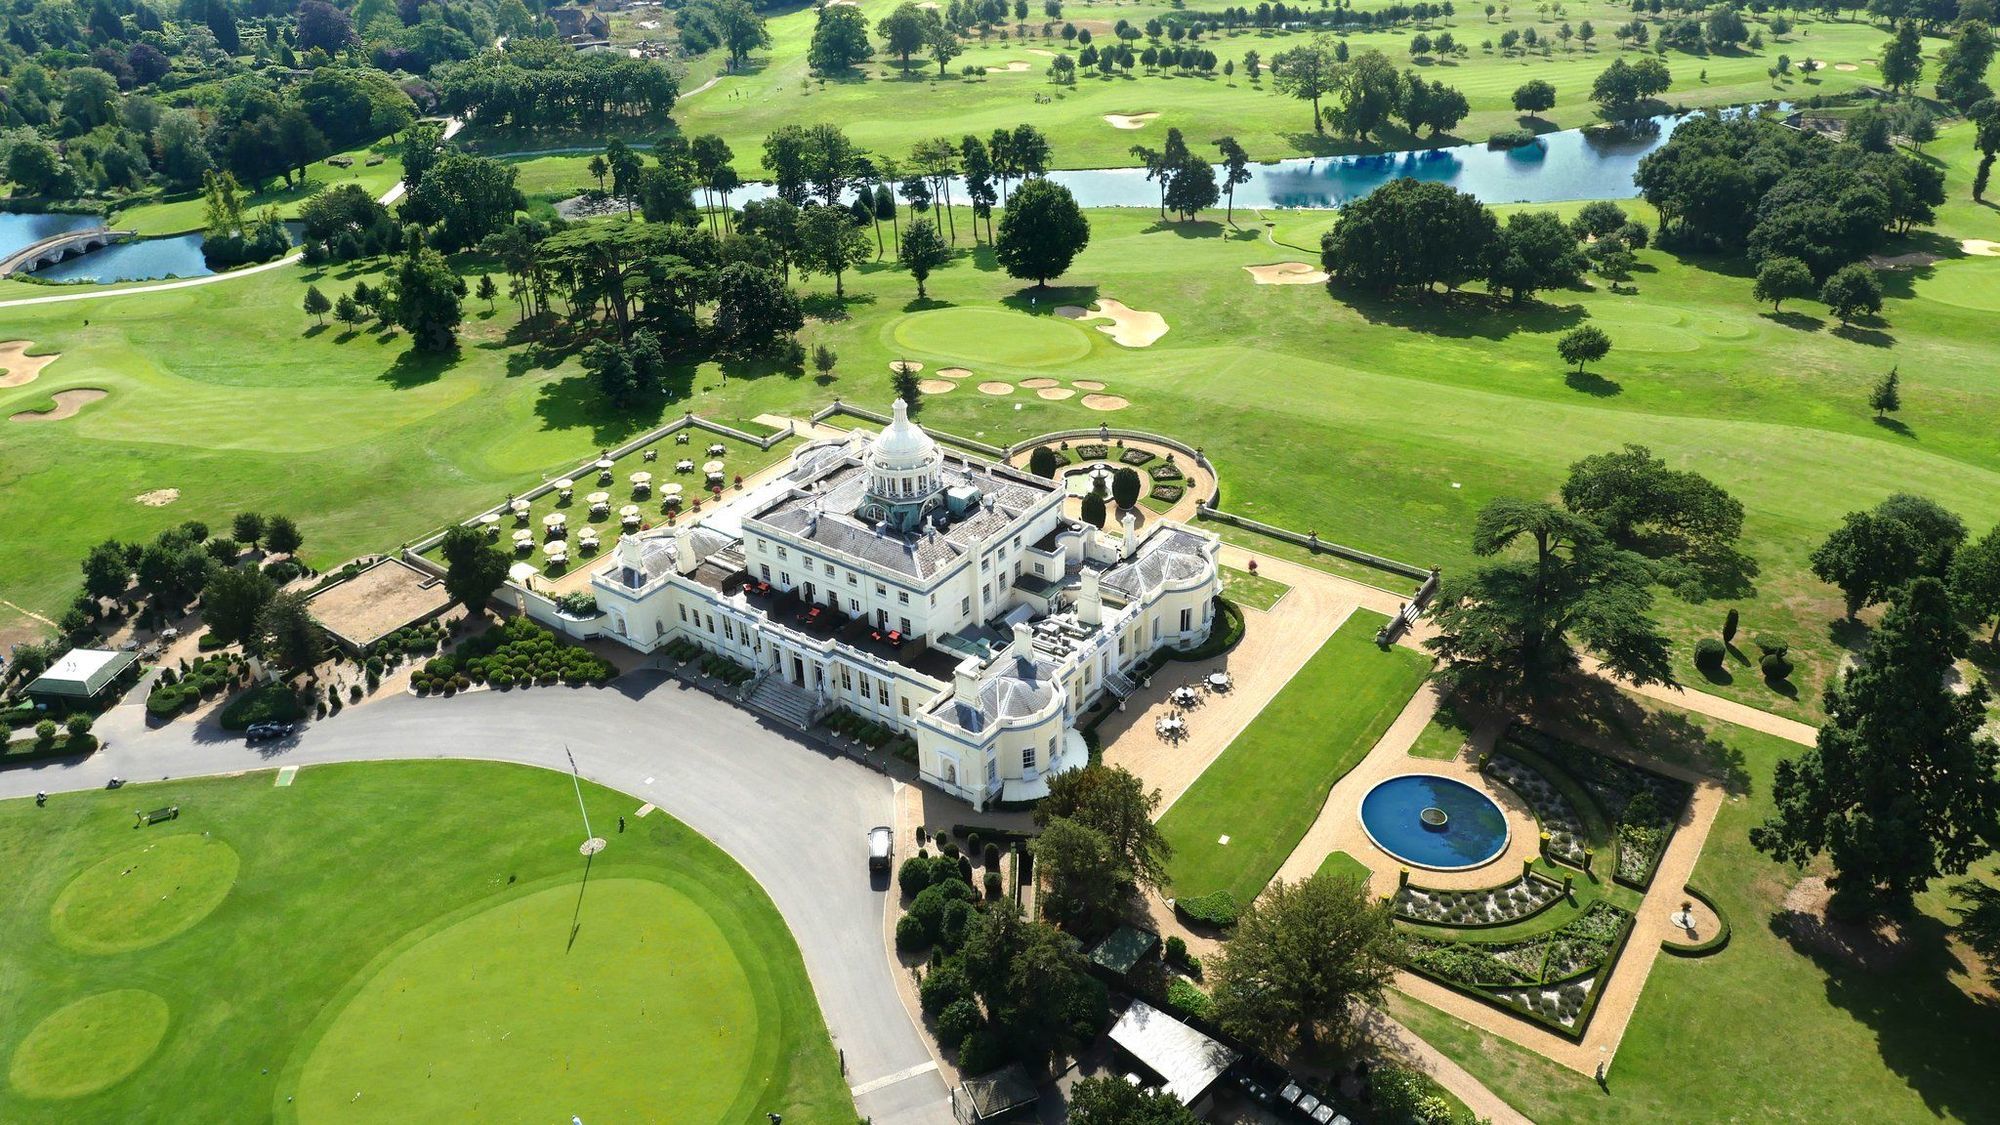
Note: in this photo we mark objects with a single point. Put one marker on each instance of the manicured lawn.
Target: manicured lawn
(1444, 736)
(886, 110)
(182, 215)
(1265, 790)
(1764, 1030)
(1345, 866)
(1346, 417)
(249, 961)
(1253, 590)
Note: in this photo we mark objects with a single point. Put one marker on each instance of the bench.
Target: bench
(171, 812)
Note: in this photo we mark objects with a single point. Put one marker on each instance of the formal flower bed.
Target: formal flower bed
(1137, 456)
(1095, 451)
(1645, 806)
(1166, 471)
(1552, 978)
(1559, 818)
(518, 652)
(1486, 906)
(181, 689)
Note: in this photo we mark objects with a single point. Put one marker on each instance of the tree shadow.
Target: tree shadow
(827, 307)
(1592, 384)
(1926, 1029)
(416, 367)
(1862, 334)
(1900, 429)
(1802, 322)
(575, 403)
(315, 330)
(926, 304)
(1670, 735)
(1046, 300)
(1460, 314)
(1187, 228)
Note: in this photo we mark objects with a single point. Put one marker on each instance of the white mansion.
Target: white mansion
(935, 593)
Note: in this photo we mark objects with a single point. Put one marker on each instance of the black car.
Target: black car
(258, 732)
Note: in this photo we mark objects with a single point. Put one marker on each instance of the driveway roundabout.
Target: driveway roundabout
(999, 337)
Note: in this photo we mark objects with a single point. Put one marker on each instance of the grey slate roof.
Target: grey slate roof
(1023, 689)
(1168, 555)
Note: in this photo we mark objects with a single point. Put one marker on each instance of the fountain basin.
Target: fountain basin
(1434, 822)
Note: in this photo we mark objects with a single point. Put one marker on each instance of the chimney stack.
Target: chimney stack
(1090, 600)
(1130, 544)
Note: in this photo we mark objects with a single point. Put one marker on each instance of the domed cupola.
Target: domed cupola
(903, 472)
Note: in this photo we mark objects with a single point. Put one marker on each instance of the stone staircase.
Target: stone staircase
(1119, 684)
(778, 698)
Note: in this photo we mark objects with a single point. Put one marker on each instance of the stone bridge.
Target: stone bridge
(54, 249)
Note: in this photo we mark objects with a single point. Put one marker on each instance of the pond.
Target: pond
(1556, 167)
(18, 231)
(1435, 822)
(142, 259)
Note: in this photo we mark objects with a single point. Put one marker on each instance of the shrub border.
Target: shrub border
(1714, 944)
(1532, 914)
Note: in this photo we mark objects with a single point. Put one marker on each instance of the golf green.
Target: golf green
(507, 992)
(975, 336)
(85, 1046)
(143, 895)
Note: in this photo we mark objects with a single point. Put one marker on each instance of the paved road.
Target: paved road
(793, 815)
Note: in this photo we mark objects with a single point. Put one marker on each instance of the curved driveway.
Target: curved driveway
(793, 815)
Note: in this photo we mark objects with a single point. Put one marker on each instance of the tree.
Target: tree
(1308, 72)
(922, 251)
(741, 28)
(1851, 293)
(1044, 462)
(317, 306)
(471, 197)
(1975, 582)
(1113, 800)
(107, 570)
(1962, 65)
(474, 569)
(1901, 786)
(428, 296)
(1780, 279)
(1513, 625)
(1125, 486)
(1903, 58)
(1302, 957)
(823, 361)
(1534, 251)
(1190, 186)
(902, 31)
(941, 39)
(1077, 865)
(487, 290)
(1409, 234)
(1621, 87)
(1370, 89)
(1235, 170)
(281, 536)
(1586, 343)
(347, 311)
(839, 40)
(1041, 232)
(830, 243)
(286, 633)
(234, 600)
(1631, 495)
(754, 310)
(1093, 509)
(597, 169)
(1886, 397)
(172, 570)
(1866, 557)
(247, 528)
(1107, 1099)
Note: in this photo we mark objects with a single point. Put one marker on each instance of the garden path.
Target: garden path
(1716, 707)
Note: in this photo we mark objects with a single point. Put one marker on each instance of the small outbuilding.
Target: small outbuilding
(1007, 1094)
(1187, 1063)
(376, 601)
(1125, 950)
(81, 675)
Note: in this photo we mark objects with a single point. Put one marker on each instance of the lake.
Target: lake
(18, 231)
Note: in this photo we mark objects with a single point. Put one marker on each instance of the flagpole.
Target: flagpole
(589, 837)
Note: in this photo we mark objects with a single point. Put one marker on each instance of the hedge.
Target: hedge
(264, 703)
(1716, 942)
(1215, 909)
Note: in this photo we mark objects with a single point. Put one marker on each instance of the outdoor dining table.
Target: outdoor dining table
(1185, 696)
(650, 455)
(1219, 681)
(717, 450)
(684, 466)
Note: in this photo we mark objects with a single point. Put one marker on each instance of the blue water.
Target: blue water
(1474, 834)
(142, 259)
(17, 231)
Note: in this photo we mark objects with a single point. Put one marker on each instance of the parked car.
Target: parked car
(258, 732)
(881, 847)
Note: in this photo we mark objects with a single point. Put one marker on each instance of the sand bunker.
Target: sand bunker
(67, 404)
(901, 366)
(1847, 66)
(1287, 273)
(17, 367)
(1031, 50)
(955, 372)
(1105, 402)
(936, 386)
(1133, 328)
(1012, 66)
(1038, 384)
(1129, 120)
(1054, 394)
(1985, 248)
(1087, 385)
(996, 388)
(158, 498)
